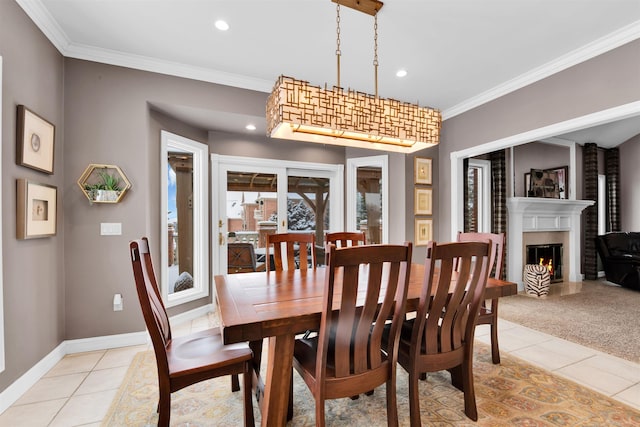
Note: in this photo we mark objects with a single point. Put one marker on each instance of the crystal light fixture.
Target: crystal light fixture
(300, 111)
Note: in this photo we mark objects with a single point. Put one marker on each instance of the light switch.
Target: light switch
(110, 228)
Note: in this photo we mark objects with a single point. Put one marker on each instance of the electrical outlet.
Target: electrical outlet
(117, 302)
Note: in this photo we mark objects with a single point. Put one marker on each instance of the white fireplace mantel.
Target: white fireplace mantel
(531, 214)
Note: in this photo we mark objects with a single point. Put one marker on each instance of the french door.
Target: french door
(255, 197)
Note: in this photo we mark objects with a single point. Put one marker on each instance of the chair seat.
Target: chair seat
(203, 350)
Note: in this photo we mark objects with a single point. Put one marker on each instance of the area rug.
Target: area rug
(513, 393)
(602, 316)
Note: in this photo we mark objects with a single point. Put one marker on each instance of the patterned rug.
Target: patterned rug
(511, 394)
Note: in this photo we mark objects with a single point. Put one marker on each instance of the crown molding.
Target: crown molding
(43, 19)
(145, 63)
(604, 44)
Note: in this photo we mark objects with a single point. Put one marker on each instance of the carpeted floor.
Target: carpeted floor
(602, 316)
(513, 393)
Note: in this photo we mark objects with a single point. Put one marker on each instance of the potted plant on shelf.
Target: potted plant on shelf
(108, 190)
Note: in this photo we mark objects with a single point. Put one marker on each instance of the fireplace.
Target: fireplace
(550, 256)
(538, 216)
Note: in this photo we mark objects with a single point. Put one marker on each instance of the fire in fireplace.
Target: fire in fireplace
(550, 256)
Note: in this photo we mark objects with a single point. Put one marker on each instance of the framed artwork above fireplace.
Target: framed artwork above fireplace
(547, 183)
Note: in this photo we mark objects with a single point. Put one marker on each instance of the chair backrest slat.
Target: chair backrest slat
(306, 245)
(153, 310)
(497, 248)
(343, 239)
(372, 278)
(443, 322)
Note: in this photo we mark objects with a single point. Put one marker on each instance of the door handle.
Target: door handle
(220, 239)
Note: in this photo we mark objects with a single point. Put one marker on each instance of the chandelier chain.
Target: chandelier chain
(375, 52)
(338, 51)
(375, 41)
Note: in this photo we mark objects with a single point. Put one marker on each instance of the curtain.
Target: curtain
(499, 198)
(468, 212)
(590, 172)
(612, 170)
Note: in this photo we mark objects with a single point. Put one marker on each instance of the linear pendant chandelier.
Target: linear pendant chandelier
(297, 110)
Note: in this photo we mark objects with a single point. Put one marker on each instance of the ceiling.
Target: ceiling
(458, 53)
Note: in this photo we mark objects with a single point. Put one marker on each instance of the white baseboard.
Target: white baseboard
(12, 393)
(29, 378)
(106, 342)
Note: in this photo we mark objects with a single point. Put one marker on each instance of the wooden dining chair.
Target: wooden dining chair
(346, 357)
(489, 312)
(299, 251)
(183, 361)
(346, 238)
(441, 335)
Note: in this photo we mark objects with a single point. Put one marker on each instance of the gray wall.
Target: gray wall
(113, 123)
(630, 184)
(606, 81)
(34, 275)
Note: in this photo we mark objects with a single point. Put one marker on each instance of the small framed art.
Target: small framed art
(36, 210)
(422, 170)
(423, 231)
(35, 140)
(423, 201)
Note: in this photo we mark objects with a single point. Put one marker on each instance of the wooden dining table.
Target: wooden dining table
(279, 305)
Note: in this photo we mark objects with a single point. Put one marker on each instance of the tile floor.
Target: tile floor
(79, 389)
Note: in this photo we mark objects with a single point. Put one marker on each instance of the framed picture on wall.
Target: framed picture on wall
(35, 139)
(422, 170)
(423, 231)
(562, 174)
(423, 201)
(36, 210)
(549, 183)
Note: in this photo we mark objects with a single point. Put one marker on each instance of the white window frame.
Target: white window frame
(201, 277)
(352, 189)
(484, 193)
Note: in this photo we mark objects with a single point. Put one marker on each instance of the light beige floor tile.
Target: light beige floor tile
(505, 325)
(181, 330)
(76, 363)
(117, 357)
(85, 409)
(614, 365)
(554, 354)
(516, 338)
(52, 388)
(33, 415)
(630, 396)
(101, 380)
(200, 324)
(596, 377)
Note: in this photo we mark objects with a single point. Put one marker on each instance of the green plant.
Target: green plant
(109, 182)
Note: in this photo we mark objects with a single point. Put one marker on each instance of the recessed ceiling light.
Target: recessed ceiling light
(221, 25)
(401, 73)
(250, 127)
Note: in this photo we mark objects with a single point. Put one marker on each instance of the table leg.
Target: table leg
(276, 388)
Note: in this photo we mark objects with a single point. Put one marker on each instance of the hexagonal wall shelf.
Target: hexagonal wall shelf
(103, 183)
